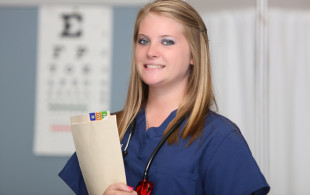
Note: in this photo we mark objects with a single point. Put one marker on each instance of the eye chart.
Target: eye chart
(73, 71)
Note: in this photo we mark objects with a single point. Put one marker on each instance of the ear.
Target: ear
(191, 61)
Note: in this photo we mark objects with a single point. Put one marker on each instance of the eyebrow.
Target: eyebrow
(163, 36)
(142, 35)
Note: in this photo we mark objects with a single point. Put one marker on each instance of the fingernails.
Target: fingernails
(130, 188)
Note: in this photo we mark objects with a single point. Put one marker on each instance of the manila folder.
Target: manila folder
(99, 153)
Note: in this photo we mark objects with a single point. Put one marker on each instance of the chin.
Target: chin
(152, 83)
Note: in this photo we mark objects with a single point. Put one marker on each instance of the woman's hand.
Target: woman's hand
(119, 188)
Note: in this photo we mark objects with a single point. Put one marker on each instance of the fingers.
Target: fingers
(118, 188)
(123, 187)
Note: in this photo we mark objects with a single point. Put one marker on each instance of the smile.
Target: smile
(154, 66)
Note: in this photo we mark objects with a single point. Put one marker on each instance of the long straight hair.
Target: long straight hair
(199, 93)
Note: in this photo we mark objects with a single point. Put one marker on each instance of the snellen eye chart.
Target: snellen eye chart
(73, 71)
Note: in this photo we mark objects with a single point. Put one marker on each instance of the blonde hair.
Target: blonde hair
(200, 96)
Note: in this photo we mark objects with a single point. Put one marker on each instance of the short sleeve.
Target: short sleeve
(71, 174)
(233, 170)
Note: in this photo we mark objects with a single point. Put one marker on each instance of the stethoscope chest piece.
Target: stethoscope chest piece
(144, 187)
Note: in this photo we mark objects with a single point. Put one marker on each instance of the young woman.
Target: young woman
(169, 102)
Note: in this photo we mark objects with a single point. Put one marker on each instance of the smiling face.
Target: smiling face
(162, 53)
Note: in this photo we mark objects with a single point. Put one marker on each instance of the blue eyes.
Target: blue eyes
(167, 42)
(144, 41)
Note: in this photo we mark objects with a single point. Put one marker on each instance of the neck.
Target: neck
(161, 102)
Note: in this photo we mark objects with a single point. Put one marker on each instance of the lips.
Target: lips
(154, 66)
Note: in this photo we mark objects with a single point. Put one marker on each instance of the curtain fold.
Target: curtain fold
(289, 96)
(232, 45)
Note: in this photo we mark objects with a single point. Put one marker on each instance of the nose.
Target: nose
(152, 50)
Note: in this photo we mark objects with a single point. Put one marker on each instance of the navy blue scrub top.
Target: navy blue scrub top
(219, 162)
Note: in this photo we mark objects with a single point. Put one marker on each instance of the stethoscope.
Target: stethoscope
(145, 187)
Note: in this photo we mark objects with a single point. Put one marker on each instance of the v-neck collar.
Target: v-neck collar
(153, 131)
